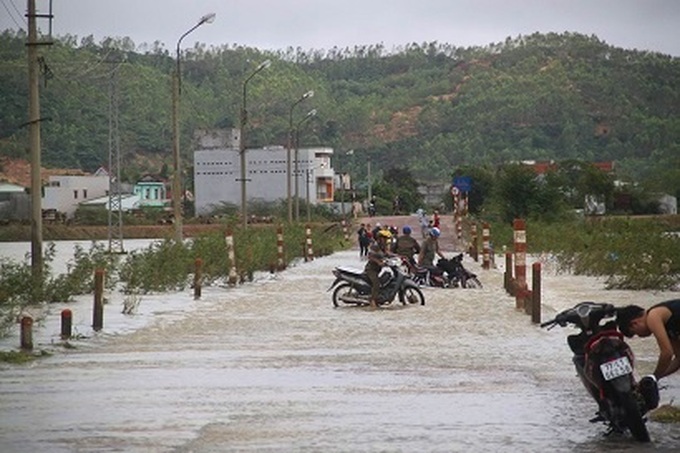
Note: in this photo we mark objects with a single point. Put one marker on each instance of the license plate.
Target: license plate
(616, 368)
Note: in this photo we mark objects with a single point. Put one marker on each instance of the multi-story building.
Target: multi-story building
(217, 176)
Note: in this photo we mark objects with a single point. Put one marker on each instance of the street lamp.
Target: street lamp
(342, 186)
(242, 142)
(176, 91)
(309, 115)
(308, 94)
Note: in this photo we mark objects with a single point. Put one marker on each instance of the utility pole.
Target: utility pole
(34, 138)
(368, 177)
(115, 195)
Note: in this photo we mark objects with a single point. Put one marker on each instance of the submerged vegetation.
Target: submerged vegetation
(162, 266)
(636, 254)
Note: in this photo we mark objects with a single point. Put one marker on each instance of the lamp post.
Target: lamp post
(242, 142)
(308, 94)
(342, 186)
(176, 91)
(309, 115)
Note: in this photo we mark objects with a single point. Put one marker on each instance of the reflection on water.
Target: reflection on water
(272, 366)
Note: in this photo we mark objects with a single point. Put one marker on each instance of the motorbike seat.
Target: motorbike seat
(349, 270)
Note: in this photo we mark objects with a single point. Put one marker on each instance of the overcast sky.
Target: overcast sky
(323, 24)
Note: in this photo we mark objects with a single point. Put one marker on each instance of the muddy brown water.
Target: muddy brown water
(271, 366)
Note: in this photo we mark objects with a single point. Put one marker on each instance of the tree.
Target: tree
(398, 181)
(520, 193)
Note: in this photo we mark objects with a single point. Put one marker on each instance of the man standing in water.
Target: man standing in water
(661, 320)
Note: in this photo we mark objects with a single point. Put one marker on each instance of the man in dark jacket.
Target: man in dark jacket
(406, 245)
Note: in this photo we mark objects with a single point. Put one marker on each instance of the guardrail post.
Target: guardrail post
(66, 323)
(474, 252)
(486, 246)
(309, 251)
(520, 250)
(98, 309)
(26, 333)
(281, 262)
(231, 256)
(507, 275)
(198, 278)
(536, 293)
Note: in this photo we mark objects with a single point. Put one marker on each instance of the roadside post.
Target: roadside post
(520, 250)
(98, 309)
(198, 278)
(231, 256)
(536, 293)
(27, 333)
(486, 246)
(281, 263)
(66, 324)
(309, 251)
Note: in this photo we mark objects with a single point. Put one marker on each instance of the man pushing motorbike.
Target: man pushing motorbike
(377, 253)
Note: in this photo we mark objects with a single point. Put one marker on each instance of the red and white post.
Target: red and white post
(486, 246)
(232, 279)
(281, 264)
(520, 251)
(309, 255)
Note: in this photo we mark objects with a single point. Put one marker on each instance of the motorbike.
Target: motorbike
(604, 363)
(448, 273)
(424, 275)
(456, 273)
(352, 286)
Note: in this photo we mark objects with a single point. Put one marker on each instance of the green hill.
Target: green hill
(427, 107)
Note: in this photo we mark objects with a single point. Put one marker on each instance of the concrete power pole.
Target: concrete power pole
(34, 139)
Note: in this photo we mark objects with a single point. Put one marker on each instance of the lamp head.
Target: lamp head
(264, 65)
(207, 19)
(308, 94)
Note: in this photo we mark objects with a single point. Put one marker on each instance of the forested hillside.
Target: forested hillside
(425, 107)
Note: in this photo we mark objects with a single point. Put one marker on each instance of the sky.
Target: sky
(323, 24)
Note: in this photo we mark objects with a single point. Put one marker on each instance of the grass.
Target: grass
(666, 413)
(21, 357)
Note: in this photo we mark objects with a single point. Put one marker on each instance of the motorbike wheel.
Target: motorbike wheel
(344, 290)
(633, 418)
(472, 282)
(412, 295)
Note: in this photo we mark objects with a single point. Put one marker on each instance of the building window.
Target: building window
(84, 193)
(75, 194)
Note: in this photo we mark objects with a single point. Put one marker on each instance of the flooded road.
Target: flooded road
(272, 366)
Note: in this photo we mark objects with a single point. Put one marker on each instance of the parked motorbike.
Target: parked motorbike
(353, 287)
(604, 363)
(448, 273)
(456, 274)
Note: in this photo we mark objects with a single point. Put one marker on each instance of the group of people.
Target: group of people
(377, 244)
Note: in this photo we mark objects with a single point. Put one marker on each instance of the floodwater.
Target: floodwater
(271, 366)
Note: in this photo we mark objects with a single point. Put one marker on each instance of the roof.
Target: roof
(6, 187)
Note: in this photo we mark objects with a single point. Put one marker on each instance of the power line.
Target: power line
(11, 2)
(11, 15)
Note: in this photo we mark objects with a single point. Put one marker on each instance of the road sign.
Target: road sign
(463, 183)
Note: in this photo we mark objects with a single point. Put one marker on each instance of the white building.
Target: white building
(65, 193)
(217, 176)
